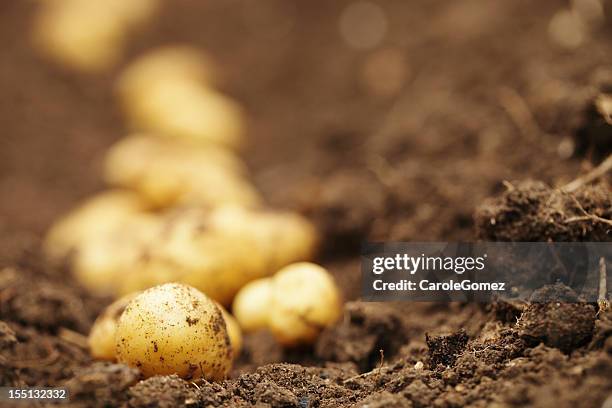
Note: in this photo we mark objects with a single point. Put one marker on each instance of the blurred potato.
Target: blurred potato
(101, 338)
(304, 300)
(133, 12)
(251, 305)
(101, 262)
(219, 251)
(94, 217)
(189, 252)
(84, 35)
(169, 174)
(88, 35)
(186, 111)
(169, 63)
(281, 237)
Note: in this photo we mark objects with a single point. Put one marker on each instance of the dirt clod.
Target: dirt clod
(163, 392)
(557, 323)
(101, 384)
(359, 337)
(532, 211)
(444, 350)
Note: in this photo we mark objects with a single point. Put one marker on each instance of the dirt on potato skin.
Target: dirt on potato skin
(412, 166)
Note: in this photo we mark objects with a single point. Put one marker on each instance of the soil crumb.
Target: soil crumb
(532, 211)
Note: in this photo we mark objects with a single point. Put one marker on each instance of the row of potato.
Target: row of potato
(181, 208)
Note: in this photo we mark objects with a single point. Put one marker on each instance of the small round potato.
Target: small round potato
(129, 159)
(102, 335)
(174, 329)
(89, 35)
(252, 305)
(278, 238)
(178, 62)
(96, 216)
(167, 173)
(218, 251)
(100, 263)
(85, 35)
(189, 251)
(305, 300)
(197, 115)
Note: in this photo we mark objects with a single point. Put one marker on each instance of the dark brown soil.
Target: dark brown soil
(488, 98)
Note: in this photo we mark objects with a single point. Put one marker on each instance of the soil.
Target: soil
(491, 119)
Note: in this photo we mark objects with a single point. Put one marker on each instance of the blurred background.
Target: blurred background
(376, 119)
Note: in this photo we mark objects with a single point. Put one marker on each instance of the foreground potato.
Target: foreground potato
(167, 173)
(101, 338)
(305, 300)
(95, 217)
(252, 305)
(174, 329)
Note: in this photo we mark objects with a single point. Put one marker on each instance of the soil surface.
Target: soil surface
(489, 119)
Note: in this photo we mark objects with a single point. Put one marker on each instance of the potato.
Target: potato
(252, 305)
(178, 62)
(174, 329)
(102, 335)
(80, 34)
(218, 251)
(129, 158)
(169, 174)
(305, 300)
(233, 331)
(96, 216)
(196, 114)
(88, 35)
(101, 338)
(191, 252)
(101, 263)
(134, 12)
(278, 237)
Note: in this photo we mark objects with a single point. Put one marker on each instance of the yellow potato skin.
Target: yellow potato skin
(168, 174)
(88, 35)
(233, 331)
(101, 338)
(100, 263)
(197, 115)
(94, 217)
(305, 300)
(276, 238)
(83, 35)
(174, 62)
(251, 305)
(219, 251)
(174, 329)
(189, 251)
